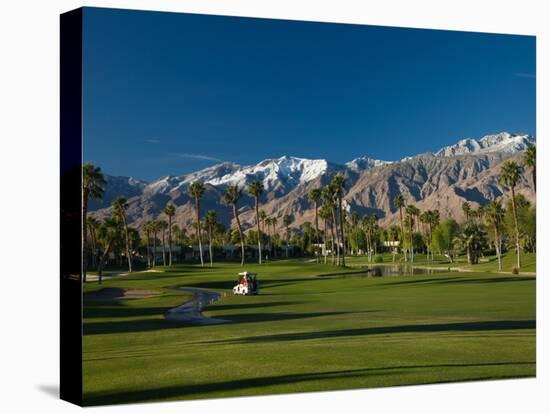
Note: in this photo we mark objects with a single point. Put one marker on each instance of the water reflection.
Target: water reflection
(400, 270)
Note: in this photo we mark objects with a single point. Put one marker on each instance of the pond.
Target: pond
(400, 270)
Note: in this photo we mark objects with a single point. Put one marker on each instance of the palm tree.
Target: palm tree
(267, 222)
(274, 221)
(263, 218)
(412, 211)
(399, 202)
(509, 176)
(467, 210)
(169, 210)
(210, 222)
(93, 186)
(148, 228)
(530, 160)
(338, 183)
(327, 194)
(155, 227)
(197, 190)
(425, 220)
(108, 233)
(374, 231)
(354, 224)
(366, 223)
(177, 232)
(231, 196)
(494, 216)
(255, 189)
(314, 196)
(287, 220)
(471, 239)
(432, 222)
(325, 214)
(119, 210)
(93, 225)
(162, 226)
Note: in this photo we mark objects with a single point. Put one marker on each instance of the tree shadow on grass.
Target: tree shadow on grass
(144, 325)
(441, 327)
(121, 311)
(264, 283)
(245, 386)
(503, 279)
(459, 280)
(279, 316)
(244, 306)
(136, 325)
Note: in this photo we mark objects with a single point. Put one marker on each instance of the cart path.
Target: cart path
(191, 311)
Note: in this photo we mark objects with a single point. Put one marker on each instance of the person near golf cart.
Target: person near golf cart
(248, 284)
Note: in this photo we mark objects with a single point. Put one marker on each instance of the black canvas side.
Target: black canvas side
(71, 206)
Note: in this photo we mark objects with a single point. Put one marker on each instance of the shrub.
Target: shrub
(515, 270)
(378, 259)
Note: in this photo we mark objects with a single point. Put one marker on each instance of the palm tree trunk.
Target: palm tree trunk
(170, 240)
(147, 235)
(84, 230)
(270, 229)
(259, 231)
(163, 247)
(402, 232)
(332, 249)
(356, 243)
(197, 208)
(497, 246)
(127, 242)
(286, 239)
(236, 215)
(516, 227)
(411, 241)
(317, 233)
(102, 262)
(93, 247)
(210, 245)
(369, 235)
(335, 224)
(154, 248)
(428, 242)
(342, 231)
(325, 239)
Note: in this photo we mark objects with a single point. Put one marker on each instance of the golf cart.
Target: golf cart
(248, 284)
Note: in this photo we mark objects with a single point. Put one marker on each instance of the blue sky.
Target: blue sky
(170, 93)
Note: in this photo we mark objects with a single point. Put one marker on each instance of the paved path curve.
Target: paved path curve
(191, 311)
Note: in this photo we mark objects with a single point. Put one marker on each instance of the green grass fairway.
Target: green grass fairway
(306, 333)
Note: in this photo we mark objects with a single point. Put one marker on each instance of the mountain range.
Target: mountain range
(465, 171)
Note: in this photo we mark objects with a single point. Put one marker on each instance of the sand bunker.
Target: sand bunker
(119, 294)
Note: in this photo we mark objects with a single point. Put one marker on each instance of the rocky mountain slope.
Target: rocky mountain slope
(465, 171)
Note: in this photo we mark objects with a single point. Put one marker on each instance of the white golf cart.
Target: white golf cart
(248, 284)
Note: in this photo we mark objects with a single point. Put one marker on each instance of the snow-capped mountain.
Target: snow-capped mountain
(211, 174)
(364, 163)
(465, 171)
(279, 175)
(502, 142)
